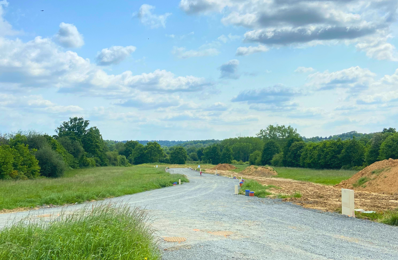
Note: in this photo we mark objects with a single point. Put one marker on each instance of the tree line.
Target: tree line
(283, 146)
(75, 145)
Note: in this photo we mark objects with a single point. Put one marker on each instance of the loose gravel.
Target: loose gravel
(261, 228)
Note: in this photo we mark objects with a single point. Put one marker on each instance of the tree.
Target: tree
(294, 154)
(242, 151)
(73, 147)
(278, 133)
(178, 155)
(94, 145)
(353, 154)
(153, 152)
(289, 142)
(270, 148)
(254, 158)
(138, 156)
(51, 163)
(6, 162)
(194, 157)
(212, 154)
(76, 128)
(389, 148)
(226, 156)
(277, 160)
(373, 152)
(200, 153)
(128, 148)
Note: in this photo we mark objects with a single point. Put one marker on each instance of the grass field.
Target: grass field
(84, 185)
(327, 177)
(103, 232)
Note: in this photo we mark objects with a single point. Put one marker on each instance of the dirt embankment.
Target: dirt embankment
(318, 196)
(259, 171)
(380, 177)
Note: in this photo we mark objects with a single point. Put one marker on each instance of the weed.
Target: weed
(102, 232)
(390, 218)
(297, 194)
(361, 181)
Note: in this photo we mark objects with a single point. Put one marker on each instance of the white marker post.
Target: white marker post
(156, 166)
(179, 182)
(347, 202)
(236, 190)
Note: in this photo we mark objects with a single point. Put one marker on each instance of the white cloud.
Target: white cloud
(243, 51)
(114, 55)
(68, 36)
(5, 27)
(304, 70)
(182, 53)
(149, 19)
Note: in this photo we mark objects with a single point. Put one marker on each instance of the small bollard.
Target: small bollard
(236, 190)
(240, 178)
(179, 182)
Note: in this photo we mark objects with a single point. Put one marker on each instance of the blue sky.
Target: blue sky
(199, 69)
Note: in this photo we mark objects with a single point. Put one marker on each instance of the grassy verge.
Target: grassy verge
(326, 177)
(84, 185)
(388, 217)
(260, 191)
(103, 232)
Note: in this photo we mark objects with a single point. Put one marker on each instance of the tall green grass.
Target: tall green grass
(103, 232)
(84, 185)
(327, 177)
(259, 190)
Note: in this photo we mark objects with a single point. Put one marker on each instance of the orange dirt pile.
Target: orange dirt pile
(224, 167)
(380, 177)
(259, 171)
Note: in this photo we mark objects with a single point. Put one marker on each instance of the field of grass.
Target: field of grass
(104, 232)
(326, 177)
(84, 185)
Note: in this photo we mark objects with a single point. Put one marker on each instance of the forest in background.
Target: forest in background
(77, 145)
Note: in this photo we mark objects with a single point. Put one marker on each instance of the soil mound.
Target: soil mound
(380, 177)
(224, 167)
(260, 171)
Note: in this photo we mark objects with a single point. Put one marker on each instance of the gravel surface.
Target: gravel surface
(261, 228)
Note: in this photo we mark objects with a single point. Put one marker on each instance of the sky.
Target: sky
(199, 69)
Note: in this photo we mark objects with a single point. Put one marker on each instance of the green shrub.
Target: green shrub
(259, 190)
(51, 163)
(102, 232)
(361, 181)
(277, 160)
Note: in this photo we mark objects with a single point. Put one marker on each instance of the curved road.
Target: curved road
(260, 228)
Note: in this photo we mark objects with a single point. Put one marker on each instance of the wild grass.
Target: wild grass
(326, 177)
(361, 182)
(260, 191)
(84, 185)
(388, 217)
(103, 232)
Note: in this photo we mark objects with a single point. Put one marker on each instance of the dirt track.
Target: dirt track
(322, 197)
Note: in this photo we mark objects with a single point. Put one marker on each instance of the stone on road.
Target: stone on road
(216, 224)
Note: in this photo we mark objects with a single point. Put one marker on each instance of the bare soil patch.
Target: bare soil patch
(259, 171)
(380, 177)
(318, 196)
(224, 167)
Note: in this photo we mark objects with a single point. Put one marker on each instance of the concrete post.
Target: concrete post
(347, 202)
(179, 182)
(236, 190)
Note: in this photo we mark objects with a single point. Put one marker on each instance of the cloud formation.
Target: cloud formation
(304, 70)
(183, 53)
(229, 70)
(277, 95)
(302, 22)
(149, 19)
(114, 55)
(243, 51)
(68, 36)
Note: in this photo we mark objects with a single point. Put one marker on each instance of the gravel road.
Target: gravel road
(261, 228)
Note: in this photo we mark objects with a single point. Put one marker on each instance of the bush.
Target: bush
(50, 162)
(254, 158)
(122, 160)
(277, 160)
(102, 232)
(259, 190)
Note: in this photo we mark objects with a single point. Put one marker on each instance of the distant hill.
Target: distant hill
(343, 136)
(186, 144)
